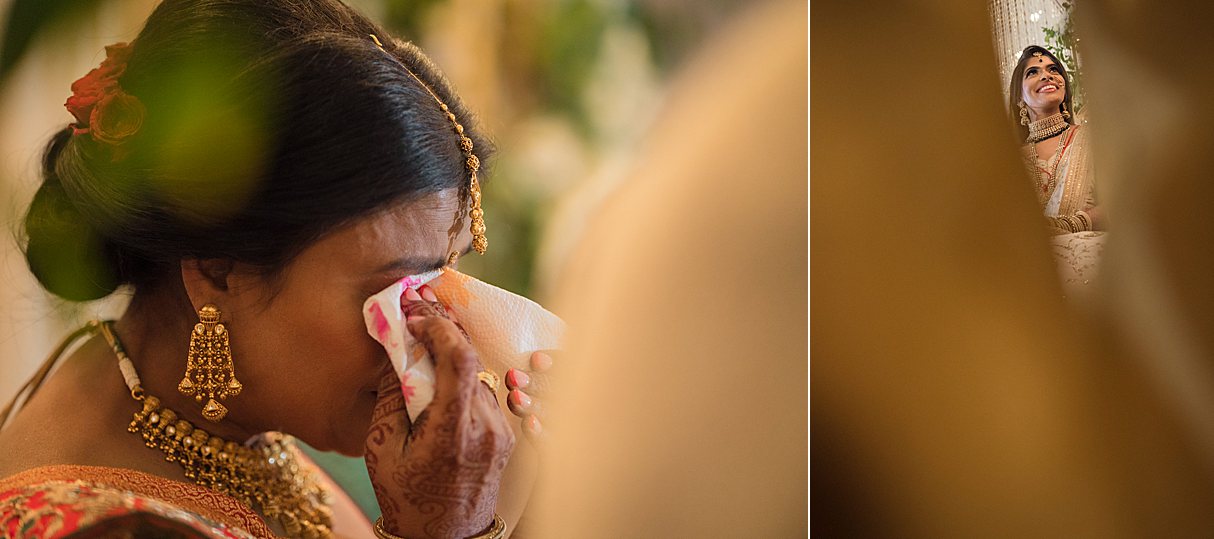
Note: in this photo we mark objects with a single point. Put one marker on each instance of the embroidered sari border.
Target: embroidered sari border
(202, 501)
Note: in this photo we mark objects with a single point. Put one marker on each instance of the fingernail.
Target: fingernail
(517, 378)
(540, 361)
(428, 293)
(413, 318)
(521, 399)
(411, 294)
(533, 425)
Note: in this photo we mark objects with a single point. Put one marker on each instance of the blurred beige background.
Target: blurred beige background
(687, 306)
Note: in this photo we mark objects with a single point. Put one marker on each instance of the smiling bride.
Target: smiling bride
(1056, 153)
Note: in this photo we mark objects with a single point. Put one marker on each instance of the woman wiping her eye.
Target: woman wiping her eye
(246, 170)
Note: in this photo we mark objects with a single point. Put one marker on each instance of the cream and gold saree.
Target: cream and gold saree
(1066, 189)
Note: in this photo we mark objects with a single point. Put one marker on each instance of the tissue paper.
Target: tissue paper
(505, 329)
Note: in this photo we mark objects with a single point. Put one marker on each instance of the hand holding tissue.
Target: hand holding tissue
(505, 329)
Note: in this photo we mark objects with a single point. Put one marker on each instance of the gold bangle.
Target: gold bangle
(381, 533)
(1084, 219)
(496, 530)
(1061, 224)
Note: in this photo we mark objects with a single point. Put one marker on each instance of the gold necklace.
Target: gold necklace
(1045, 180)
(266, 475)
(1046, 128)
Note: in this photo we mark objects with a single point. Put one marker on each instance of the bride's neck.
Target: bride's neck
(1036, 115)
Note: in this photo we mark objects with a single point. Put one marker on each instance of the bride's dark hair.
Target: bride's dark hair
(268, 123)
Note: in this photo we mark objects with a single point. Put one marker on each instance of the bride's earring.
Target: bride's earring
(209, 371)
(1024, 114)
(1065, 113)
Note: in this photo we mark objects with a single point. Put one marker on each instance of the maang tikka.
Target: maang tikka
(472, 163)
(208, 372)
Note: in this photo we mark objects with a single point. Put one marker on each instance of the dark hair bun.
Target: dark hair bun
(68, 256)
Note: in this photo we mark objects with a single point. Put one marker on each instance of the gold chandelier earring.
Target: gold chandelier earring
(1065, 113)
(209, 371)
(1024, 114)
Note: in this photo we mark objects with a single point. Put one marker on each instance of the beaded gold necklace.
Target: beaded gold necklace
(1046, 180)
(266, 474)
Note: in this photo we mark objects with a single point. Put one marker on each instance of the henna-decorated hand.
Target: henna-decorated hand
(527, 387)
(440, 476)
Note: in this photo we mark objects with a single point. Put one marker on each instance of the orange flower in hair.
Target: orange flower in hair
(118, 115)
(99, 104)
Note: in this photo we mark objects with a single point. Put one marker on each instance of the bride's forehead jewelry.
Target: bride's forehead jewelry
(471, 162)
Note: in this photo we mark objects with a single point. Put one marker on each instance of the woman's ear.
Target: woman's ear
(206, 279)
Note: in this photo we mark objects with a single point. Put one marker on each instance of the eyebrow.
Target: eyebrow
(416, 264)
(1032, 67)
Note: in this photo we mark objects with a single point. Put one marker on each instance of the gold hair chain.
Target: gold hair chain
(471, 162)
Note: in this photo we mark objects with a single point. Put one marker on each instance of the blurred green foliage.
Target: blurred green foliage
(570, 36)
(408, 18)
(1063, 42)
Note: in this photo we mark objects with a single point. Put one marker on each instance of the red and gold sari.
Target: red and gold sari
(94, 501)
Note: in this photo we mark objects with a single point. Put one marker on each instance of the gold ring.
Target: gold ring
(490, 379)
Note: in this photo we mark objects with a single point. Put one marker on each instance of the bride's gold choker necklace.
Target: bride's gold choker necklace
(267, 475)
(1046, 128)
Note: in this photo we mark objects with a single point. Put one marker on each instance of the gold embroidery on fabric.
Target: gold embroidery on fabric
(55, 508)
(1074, 193)
(191, 498)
